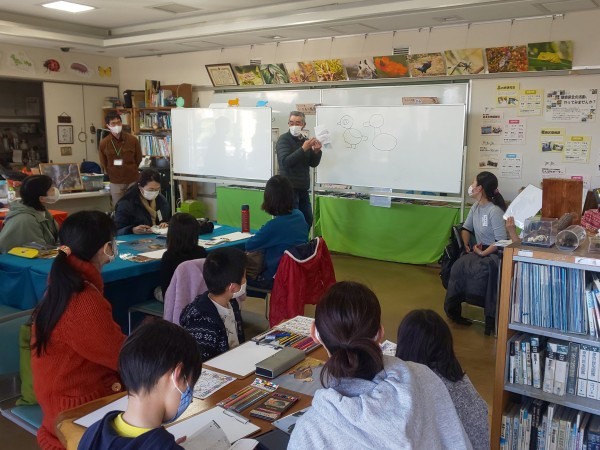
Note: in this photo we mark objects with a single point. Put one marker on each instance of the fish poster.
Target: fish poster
(426, 65)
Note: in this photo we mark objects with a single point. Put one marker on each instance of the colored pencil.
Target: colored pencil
(251, 400)
(233, 397)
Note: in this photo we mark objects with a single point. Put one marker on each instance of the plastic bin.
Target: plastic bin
(92, 181)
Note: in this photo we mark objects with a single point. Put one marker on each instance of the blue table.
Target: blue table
(23, 281)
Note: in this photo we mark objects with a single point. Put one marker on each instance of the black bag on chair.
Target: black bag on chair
(451, 253)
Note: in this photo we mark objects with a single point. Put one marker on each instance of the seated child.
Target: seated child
(160, 364)
(424, 337)
(214, 318)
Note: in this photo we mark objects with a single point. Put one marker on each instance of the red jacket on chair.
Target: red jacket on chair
(304, 274)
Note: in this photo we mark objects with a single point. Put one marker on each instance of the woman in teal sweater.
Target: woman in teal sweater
(287, 229)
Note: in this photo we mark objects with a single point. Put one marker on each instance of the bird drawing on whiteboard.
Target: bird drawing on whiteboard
(352, 136)
(381, 141)
(425, 67)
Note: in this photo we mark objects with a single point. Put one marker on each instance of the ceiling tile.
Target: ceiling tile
(564, 6)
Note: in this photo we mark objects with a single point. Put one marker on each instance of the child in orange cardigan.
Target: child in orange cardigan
(75, 341)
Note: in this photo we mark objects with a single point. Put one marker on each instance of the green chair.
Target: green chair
(149, 308)
(11, 320)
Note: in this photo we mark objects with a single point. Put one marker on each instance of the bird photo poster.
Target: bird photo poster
(426, 65)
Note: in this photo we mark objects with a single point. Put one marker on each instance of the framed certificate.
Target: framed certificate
(221, 75)
(65, 134)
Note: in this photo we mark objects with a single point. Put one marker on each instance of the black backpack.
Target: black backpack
(451, 253)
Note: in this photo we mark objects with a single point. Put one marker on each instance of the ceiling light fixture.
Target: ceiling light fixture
(68, 6)
(276, 37)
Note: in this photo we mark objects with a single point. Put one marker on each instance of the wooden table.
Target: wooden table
(70, 433)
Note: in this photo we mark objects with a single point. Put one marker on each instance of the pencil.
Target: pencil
(240, 398)
(250, 401)
(232, 398)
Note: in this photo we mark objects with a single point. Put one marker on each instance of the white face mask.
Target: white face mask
(50, 199)
(296, 130)
(470, 191)
(116, 129)
(241, 292)
(150, 195)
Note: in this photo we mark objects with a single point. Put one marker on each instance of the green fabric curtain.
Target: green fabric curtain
(229, 207)
(412, 234)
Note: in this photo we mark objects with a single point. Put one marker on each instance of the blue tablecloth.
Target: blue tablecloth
(23, 281)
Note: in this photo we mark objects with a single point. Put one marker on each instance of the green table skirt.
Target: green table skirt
(413, 234)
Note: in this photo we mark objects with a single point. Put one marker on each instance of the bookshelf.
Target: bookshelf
(504, 391)
(152, 124)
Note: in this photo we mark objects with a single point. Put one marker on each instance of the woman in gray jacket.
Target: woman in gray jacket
(371, 401)
(424, 337)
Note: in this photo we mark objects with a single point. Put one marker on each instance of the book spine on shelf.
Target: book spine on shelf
(573, 366)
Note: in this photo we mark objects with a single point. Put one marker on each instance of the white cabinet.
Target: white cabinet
(82, 103)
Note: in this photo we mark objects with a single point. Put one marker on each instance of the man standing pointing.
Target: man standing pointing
(296, 155)
(120, 156)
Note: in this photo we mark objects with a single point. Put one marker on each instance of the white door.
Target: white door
(58, 99)
(93, 101)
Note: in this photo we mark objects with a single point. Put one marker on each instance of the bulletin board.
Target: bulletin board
(528, 128)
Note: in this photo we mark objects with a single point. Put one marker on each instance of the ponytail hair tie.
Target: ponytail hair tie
(65, 249)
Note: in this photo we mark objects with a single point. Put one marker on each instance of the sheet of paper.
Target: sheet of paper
(210, 382)
(158, 230)
(95, 416)
(232, 426)
(322, 134)
(242, 360)
(526, 205)
(156, 254)
(231, 237)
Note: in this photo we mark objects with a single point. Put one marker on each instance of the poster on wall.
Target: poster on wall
(571, 105)
(507, 59)
(554, 55)
(511, 165)
(552, 140)
(514, 132)
(507, 95)
(466, 61)
(577, 149)
(531, 102)
(489, 155)
(491, 124)
(426, 65)
(551, 169)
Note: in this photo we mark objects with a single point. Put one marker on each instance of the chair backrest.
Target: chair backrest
(304, 274)
(187, 283)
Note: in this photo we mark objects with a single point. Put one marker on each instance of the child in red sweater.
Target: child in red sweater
(75, 342)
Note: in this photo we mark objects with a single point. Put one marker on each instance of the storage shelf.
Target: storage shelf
(572, 401)
(572, 337)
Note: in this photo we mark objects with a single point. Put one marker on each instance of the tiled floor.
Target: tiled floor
(400, 288)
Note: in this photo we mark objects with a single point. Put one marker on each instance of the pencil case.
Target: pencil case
(279, 362)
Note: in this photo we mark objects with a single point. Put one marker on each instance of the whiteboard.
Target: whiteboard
(483, 100)
(223, 142)
(400, 147)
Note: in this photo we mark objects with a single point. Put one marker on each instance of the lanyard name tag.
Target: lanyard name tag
(484, 221)
(159, 216)
(118, 162)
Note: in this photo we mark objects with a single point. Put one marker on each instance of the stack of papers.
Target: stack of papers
(231, 237)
